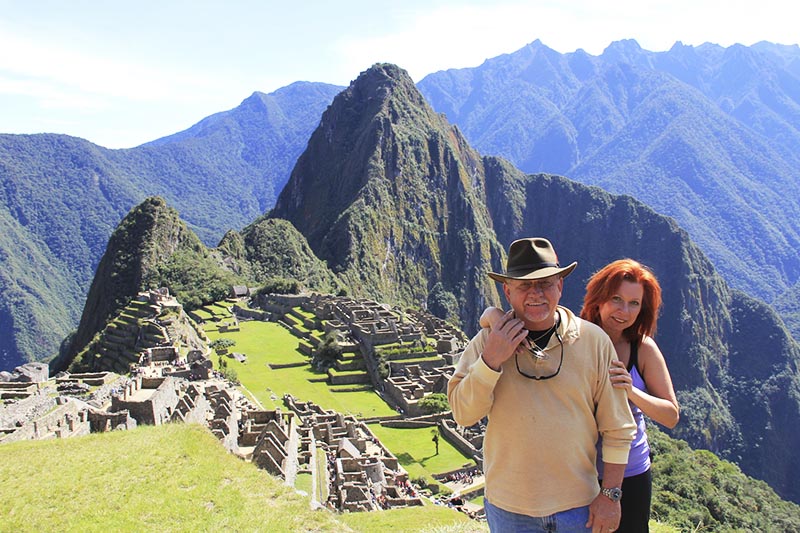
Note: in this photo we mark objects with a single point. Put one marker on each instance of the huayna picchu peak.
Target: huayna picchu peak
(391, 196)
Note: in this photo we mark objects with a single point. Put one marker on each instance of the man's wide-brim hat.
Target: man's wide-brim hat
(532, 258)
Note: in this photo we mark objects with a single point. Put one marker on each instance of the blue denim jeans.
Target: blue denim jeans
(569, 521)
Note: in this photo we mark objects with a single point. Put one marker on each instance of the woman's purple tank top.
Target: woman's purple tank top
(639, 456)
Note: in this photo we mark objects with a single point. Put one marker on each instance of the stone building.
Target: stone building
(149, 401)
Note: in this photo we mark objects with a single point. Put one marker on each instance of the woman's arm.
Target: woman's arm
(490, 316)
(659, 402)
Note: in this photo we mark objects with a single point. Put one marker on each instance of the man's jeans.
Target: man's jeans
(570, 521)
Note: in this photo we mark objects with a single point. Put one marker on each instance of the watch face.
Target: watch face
(614, 494)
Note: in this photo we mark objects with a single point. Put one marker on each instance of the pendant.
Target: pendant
(536, 352)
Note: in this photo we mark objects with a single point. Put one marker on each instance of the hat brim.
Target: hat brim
(534, 274)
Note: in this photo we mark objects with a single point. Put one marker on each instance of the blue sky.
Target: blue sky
(123, 73)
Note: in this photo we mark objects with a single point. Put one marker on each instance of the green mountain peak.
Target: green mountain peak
(152, 247)
(392, 197)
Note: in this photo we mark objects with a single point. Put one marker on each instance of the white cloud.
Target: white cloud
(437, 39)
(66, 69)
(50, 95)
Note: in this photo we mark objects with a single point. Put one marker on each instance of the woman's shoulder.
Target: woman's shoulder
(649, 343)
(649, 350)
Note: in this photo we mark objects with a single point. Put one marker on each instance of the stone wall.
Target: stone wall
(449, 431)
(151, 409)
(95, 379)
(68, 419)
(192, 407)
(280, 303)
(161, 353)
(103, 421)
(10, 390)
(251, 314)
(225, 422)
(15, 414)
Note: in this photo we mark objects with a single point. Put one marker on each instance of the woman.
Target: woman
(624, 298)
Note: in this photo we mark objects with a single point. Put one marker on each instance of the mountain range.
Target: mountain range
(389, 201)
(706, 135)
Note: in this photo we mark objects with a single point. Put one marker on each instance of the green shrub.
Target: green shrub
(277, 285)
(383, 366)
(434, 403)
(327, 353)
(230, 375)
(221, 346)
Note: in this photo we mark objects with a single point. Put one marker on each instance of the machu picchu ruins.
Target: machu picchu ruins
(152, 365)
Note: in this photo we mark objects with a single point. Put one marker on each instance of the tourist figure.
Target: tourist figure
(546, 402)
(624, 298)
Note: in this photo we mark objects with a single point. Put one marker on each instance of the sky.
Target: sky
(122, 73)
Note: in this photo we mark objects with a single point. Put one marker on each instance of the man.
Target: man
(541, 376)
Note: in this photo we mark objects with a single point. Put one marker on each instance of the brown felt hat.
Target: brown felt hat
(532, 258)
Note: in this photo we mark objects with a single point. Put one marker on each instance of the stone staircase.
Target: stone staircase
(122, 341)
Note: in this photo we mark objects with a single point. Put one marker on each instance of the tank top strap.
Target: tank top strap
(633, 360)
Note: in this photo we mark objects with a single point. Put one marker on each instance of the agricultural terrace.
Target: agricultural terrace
(266, 343)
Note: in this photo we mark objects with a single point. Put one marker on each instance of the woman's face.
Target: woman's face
(621, 310)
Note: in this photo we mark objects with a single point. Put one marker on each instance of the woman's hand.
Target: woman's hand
(620, 377)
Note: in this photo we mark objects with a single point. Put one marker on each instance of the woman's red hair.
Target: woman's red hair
(605, 282)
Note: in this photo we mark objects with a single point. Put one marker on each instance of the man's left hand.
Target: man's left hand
(604, 515)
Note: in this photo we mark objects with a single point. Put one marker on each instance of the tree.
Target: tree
(435, 439)
(328, 352)
(434, 403)
(221, 345)
(278, 285)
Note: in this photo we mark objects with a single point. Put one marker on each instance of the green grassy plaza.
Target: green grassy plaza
(266, 343)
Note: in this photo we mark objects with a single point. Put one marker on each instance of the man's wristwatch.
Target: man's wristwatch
(614, 494)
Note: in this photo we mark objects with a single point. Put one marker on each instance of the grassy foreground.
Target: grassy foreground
(170, 478)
